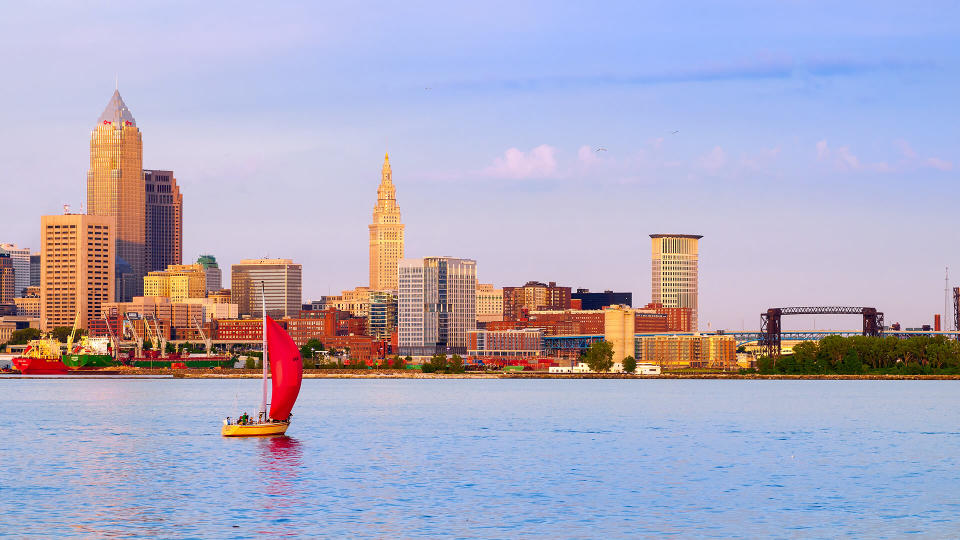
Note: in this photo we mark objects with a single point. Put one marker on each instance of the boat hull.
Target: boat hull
(187, 362)
(269, 429)
(39, 366)
(88, 361)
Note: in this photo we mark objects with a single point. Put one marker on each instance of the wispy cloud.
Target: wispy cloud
(940, 164)
(771, 68)
(539, 162)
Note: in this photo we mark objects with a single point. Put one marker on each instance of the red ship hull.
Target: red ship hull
(39, 366)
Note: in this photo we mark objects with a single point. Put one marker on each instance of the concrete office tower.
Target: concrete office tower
(436, 305)
(77, 268)
(20, 257)
(164, 220)
(212, 269)
(7, 280)
(675, 272)
(386, 234)
(281, 279)
(115, 188)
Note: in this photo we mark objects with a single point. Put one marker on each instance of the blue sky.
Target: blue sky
(816, 143)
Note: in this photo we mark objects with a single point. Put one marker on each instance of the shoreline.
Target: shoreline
(161, 373)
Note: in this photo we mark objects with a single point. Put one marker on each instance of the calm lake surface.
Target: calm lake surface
(483, 458)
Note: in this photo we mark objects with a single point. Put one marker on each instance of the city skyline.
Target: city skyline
(766, 125)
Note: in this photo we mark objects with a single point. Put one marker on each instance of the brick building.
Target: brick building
(534, 296)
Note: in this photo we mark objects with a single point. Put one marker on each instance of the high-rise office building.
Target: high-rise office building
(115, 188)
(77, 268)
(212, 269)
(34, 269)
(675, 262)
(20, 257)
(280, 279)
(164, 220)
(7, 280)
(386, 234)
(178, 282)
(436, 305)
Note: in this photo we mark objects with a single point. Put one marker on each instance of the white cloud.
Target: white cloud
(540, 162)
(940, 164)
(714, 160)
(841, 157)
(905, 148)
(823, 152)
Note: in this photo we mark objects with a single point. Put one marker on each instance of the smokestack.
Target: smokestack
(936, 322)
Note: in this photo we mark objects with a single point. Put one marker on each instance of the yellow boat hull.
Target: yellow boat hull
(254, 430)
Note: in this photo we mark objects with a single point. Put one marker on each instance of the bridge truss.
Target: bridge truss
(771, 333)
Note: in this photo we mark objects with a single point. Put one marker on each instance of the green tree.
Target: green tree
(439, 362)
(455, 365)
(147, 344)
(630, 364)
(170, 348)
(23, 336)
(333, 352)
(599, 356)
(308, 352)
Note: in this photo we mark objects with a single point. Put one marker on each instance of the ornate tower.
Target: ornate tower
(386, 234)
(115, 187)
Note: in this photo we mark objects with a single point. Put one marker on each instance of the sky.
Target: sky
(815, 145)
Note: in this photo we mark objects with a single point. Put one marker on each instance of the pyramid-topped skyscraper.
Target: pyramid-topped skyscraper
(115, 187)
(386, 234)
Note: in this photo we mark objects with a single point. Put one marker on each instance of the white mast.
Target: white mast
(263, 295)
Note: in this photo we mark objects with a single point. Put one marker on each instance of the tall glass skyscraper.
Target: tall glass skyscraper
(436, 305)
(115, 188)
(164, 220)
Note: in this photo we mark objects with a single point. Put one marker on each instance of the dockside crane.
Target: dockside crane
(127, 323)
(203, 335)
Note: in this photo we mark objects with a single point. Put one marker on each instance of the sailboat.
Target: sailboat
(282, 358)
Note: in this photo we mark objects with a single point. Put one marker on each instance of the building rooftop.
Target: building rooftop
(117, 112)
(661, 235)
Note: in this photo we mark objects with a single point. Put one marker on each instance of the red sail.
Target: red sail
(286, 369)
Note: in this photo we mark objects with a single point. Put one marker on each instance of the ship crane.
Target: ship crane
(127, 323)
(203, 335)
(113, 339)
(161, 340)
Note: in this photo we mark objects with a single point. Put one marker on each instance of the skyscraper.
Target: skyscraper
(115, 188)
(7, 280)
(164, 220)
(386, 234)
(280, 279)
(20, 257)
(212, 269)
(34, 269)
(675, 272)
(436, 305)
(77, 268)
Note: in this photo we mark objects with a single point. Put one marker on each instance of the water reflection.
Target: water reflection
(281, 464)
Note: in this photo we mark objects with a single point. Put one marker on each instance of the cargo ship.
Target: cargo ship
(41, 357)
(90, 353)
(152, 359)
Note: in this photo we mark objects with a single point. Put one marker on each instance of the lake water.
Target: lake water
(483, 458)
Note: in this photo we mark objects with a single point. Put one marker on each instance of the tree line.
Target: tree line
(864, 354)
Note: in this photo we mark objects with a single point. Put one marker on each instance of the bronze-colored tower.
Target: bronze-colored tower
(115, 188)
(386, 234)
